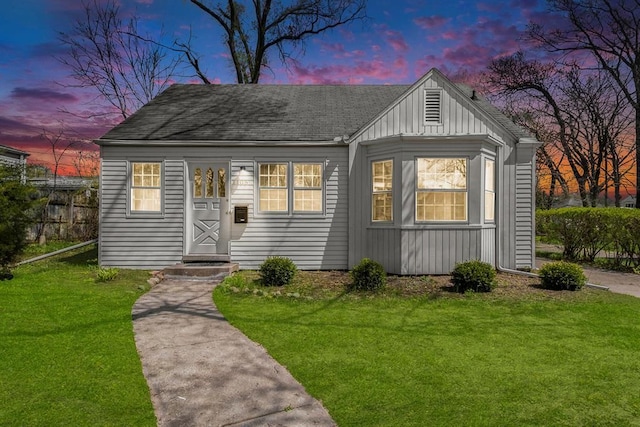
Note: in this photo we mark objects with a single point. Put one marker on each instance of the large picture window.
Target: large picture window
(489, 190)
(382, 190)
(146, 187)
(306, 186)
(441, 189)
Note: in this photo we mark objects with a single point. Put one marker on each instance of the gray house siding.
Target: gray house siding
(465, 130)
(141, 241)
(316, 241)
(345, 128)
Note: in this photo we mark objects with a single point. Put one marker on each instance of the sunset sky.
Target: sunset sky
(401, 40)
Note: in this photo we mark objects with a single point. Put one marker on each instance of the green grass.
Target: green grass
(34, 249)
(67, 352)
(481, 360)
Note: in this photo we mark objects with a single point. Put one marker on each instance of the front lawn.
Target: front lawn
(67, 352)
(420, 355)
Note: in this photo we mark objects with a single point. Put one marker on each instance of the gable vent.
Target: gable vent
(432, 106)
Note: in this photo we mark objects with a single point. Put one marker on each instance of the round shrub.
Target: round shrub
(561, 276)
(368, 275)
(474, 276)
(277, 271)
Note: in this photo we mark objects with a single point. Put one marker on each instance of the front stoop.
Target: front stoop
(214, 267)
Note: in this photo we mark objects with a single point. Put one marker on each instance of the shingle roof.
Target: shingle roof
(256, 113)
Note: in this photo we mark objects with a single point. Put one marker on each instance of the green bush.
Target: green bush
(474, 275)
(562, 275)
(368, 275)
(585, 232)
(106, 274)
(277, 271)
(17, 201)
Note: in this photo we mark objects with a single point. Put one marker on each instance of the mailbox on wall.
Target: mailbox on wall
(241, 214)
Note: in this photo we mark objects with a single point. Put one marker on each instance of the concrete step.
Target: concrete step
(213, 258)
(200, 270)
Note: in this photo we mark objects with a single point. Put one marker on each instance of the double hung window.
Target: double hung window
(382, 190)
(489, 190)
(305, 187)
(146, 187)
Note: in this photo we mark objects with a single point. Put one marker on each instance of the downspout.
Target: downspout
(499, 267)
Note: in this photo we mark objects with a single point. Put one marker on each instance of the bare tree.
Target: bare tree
(608, 30)
(107, 54)
(252, 29)
(579, 114)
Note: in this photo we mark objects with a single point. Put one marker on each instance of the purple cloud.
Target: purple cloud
(396, 40)
(353, 73)
(431, 22)
(42, 94)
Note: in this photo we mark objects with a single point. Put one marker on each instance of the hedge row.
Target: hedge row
(585, 232)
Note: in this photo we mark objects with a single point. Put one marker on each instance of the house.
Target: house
(15, 157)
(416, 177)
(628, 202)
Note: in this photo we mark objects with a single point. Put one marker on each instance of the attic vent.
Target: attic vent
(432, 106)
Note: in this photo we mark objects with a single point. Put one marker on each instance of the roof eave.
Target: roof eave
(217, 143)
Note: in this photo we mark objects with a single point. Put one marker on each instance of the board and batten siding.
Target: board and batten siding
(435, 248)
(314, 241)
(406, 117)
(138, 241)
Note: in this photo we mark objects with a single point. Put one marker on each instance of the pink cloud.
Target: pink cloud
(395, 39)
(431, 22)
(356, 73)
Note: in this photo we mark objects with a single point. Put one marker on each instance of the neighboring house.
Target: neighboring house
(13, 156)
(628, 202)
(416, 177)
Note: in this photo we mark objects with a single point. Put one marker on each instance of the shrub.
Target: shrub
(585, 232)
(562, 275)
(474, 275)
(368, 275)
(17, 201)
(277, 271)
(106, 274)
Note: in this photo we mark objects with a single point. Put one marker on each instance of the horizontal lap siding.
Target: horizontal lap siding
(140, 242)
(312, 242)
(525, 210)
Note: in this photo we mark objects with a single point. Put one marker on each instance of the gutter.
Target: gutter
(502, 269)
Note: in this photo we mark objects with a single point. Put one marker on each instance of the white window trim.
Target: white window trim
(419, 190)
(487, 191)
(372, 192)
(290, 212)
(145, 214)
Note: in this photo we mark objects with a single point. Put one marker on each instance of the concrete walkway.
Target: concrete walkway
(202, 371)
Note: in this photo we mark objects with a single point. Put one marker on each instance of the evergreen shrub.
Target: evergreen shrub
(368, 275)
(277, 271)
(562, 276)
(474, 276)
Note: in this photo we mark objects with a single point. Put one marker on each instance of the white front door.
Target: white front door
(208, 218)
